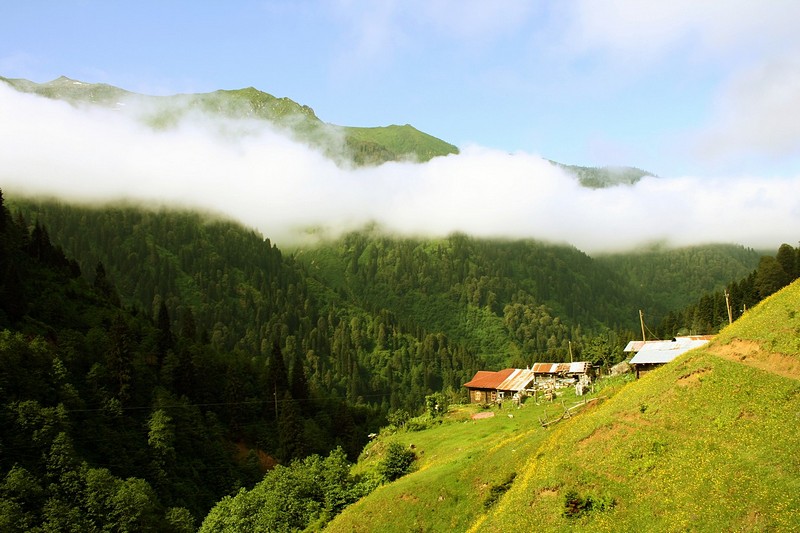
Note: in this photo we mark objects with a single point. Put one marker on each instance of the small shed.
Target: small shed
(576, 369)
(652, 354)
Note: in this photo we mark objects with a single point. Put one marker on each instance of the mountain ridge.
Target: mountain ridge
(361, 146)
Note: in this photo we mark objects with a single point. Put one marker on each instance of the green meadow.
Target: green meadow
(463, 465)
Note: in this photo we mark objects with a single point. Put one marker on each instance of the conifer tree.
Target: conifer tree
(770, 276)
(165, 341)
(299, 383)
(278, 376)
(291, 441)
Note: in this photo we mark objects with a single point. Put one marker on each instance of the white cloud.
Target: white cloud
(758, 112)
(648, 29)
(380, 32)
(474, 19)
(746, 50)
(281, 187)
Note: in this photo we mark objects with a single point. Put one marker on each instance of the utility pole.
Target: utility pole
(641, 320)
(728, 305)
(570, 351)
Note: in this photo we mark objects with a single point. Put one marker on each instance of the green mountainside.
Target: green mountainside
(360, 146)
(602, 177)
(488, 302)
(117, 417)
(694, 270)
(157, 363)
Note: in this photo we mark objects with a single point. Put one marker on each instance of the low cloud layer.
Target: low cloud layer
(260, 177)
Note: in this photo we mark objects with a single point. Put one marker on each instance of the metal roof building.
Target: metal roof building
(655, 353)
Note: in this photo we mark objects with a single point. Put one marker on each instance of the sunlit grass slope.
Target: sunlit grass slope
(709, 442)
(463, 466)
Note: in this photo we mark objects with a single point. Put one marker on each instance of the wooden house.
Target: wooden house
(489, 387)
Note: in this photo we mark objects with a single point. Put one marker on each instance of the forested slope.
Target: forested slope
(195, 347)
(710, 313)
(244, 295)
(675, 277)
(500, 298)
(113, 416)
(382, 318)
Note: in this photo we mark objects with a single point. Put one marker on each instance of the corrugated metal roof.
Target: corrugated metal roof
(545, 368)
(578, 367)
(634, 346)
(658, 352)
(517, 381)
(485, 379)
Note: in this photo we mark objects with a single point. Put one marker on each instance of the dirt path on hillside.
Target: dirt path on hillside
(750, 353)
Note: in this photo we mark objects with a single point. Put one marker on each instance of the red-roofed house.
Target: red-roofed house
(486, 387)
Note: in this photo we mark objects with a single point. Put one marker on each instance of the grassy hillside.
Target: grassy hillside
(463, 467)
(401, 140)
(362, 146)
(708, 442)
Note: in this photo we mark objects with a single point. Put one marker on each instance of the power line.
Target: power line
(214, 404)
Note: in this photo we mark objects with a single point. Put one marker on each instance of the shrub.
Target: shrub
(496, 491)
(417, 424)
(399, 418)
(576, 505)
(397, 462)
(436, 404)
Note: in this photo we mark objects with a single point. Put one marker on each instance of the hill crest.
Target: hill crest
(361, 146)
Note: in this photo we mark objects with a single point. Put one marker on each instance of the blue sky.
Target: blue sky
(706, 95)
(677, 88)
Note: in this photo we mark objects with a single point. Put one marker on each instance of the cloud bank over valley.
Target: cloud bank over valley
(261, 177)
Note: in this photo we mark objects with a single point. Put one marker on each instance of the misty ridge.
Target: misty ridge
(259, 173)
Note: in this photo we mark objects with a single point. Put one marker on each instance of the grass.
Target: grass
(403, 140)
(464, 467)
(774, 323)
(367, 146)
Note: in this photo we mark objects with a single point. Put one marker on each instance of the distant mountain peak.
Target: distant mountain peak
(603, 177)
(361, 146)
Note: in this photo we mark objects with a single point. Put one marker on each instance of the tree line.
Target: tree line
(709, 313)
(115, 416)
